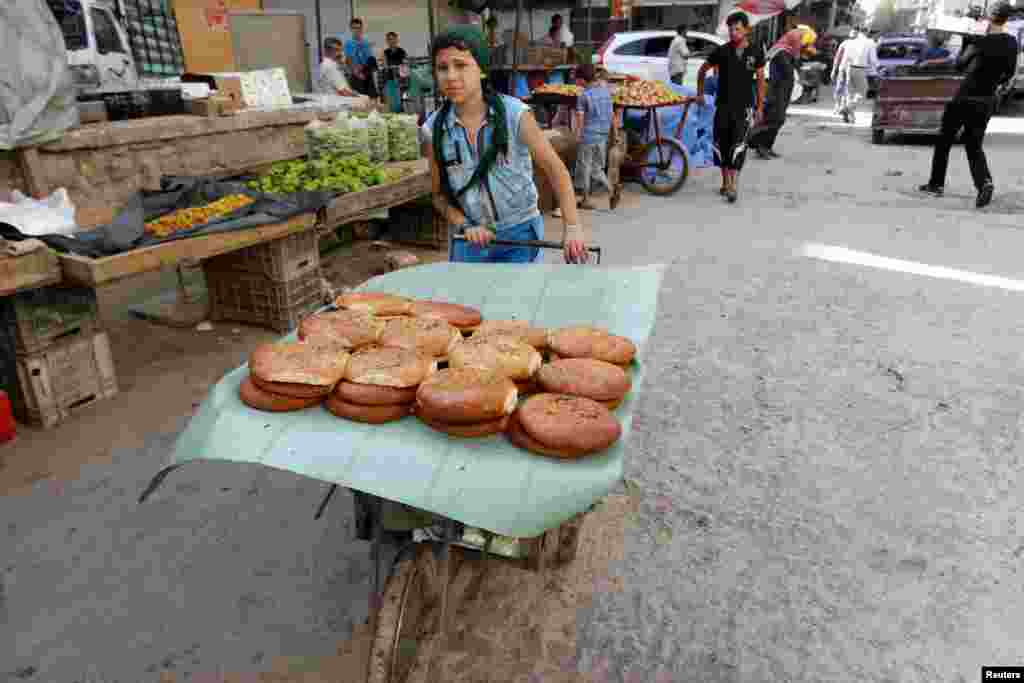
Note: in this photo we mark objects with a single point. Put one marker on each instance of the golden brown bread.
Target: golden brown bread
(460, 317)
(318, 363)
(375, 302)
(582, 341)
(389, 367)
(509, 356)
(367, 414)
(351, 328)
(537, 337)
(430, 336)
(585, 377)
(470, 431)
(373, 395)
(466, 396)
(568, 424)
(290, 389)
(254, 397)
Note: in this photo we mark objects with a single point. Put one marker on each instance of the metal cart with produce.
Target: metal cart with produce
(660, 164)
(452, 499)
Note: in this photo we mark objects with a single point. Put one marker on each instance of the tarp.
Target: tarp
(37, 94)
(128, 232)
(486, 483)
(757, 10)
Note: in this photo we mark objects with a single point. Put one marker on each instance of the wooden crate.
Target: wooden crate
(39, 318)
(255, 299)
(63, 379)
(280, 260)
(36, 269)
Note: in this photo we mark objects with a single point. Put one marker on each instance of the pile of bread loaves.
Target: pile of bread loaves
(381, 357)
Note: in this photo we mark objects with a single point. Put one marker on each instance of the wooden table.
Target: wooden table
(344, 209)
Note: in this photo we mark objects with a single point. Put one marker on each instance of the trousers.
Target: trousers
(972, 116)
(780, 91)
(590, 159)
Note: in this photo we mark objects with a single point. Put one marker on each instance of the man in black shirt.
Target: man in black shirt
(986, 63)
(737, 63)
(394, 60)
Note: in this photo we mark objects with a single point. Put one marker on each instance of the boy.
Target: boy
(737, 62)
(360, 61)
(394, 60)
(593, 123)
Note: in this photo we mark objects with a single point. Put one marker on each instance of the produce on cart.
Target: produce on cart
(332, 173)
(481, 493)
(646, 94)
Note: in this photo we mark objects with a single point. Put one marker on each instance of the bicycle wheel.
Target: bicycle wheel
(669, 166)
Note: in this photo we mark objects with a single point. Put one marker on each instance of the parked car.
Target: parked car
(645, 53)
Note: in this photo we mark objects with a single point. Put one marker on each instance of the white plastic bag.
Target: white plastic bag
(54, 215)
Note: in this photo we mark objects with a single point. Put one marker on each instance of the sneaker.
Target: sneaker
(772, 154)
(933, 190)
(557, 213)
(732, 195)
(587, 205)
(762, 153)
(615, 198)
(985, 196)
(723, 190)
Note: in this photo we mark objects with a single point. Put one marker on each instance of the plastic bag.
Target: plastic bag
(377, 138)
(355, 138)
(403, 137)
(54, 215)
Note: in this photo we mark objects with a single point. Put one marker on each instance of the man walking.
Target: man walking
(784, 59)
(839, 91)
(738, 63)
(859, 59)
(986, 63)
(678, 53)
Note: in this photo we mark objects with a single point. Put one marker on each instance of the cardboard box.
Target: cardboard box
(230, 87)
(216, 105)
(266, 88)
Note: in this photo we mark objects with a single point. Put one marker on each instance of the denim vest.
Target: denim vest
(508, 188)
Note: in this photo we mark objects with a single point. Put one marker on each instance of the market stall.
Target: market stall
(486, 494)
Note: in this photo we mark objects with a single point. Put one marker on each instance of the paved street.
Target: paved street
(828, 454)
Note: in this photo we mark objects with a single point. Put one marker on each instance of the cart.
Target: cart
(912, 100)
(661, 165)
(447, 499)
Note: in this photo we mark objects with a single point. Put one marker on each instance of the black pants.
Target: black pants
(731, 127)
(779, 94)
(971, 115)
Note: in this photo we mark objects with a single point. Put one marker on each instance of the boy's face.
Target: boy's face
(357, 30)
(392, 40)
(738, 31)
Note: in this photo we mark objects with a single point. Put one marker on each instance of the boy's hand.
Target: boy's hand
(480, 237)
(699, 99)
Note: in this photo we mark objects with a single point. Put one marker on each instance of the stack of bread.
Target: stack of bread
(376, 360)
(292, 376)
(379, 384)
(466, 402)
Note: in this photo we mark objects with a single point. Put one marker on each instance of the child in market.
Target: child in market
(593, 125)
(482, 147)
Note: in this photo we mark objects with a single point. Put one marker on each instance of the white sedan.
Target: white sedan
(645, 53)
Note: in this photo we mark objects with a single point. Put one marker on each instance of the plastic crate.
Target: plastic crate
(255, 299)
(281, 260)
(40, 318)
(65, 378)
(9, 365)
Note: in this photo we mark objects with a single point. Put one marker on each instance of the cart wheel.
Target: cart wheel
(672, 168)
(877, 136)
(410, 611)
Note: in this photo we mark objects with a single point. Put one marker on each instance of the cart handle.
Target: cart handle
(539, 244)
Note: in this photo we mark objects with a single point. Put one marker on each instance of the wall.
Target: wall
(308, 9)
(207, 49)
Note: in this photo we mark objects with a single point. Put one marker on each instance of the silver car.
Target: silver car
(645, 53)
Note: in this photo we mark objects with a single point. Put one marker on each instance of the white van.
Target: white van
(99, 53)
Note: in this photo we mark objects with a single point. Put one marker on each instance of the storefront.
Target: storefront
(699, 15)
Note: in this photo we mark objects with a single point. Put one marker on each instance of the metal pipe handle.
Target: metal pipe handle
(539, 244)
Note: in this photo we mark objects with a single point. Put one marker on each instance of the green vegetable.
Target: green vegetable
(330, 172)
(377, 138)
(403, 137)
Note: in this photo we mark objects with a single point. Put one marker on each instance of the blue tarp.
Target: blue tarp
(697, 133)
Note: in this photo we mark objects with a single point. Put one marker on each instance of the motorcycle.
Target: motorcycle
(810, 77)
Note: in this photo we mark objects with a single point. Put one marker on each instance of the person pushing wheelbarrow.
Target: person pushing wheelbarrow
(481, 146)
